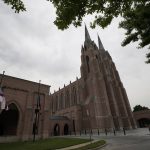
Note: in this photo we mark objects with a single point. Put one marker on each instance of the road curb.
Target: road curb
(96, 148)
(84, 144)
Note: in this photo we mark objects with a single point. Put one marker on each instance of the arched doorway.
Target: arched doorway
(144, 122)
(66, 129)
(9, 121)
(56, 130)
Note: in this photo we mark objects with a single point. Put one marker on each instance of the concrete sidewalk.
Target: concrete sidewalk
(78, 146)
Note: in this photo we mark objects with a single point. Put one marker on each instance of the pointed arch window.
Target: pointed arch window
(52, 106)
(87, 61)
(74, 96)
(96, 57)
(61, 101)
(56, 103)
(67, 99)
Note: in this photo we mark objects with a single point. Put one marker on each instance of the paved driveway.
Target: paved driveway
(128, 143)
(138, 139)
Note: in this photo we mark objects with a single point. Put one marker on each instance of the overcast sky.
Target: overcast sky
(32, 48)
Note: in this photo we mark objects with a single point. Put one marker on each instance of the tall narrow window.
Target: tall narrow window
(56, 105)
(67, 99)
(61, 101)
(96, 57)
(87, 61)
(57, 102)
(74, 97)
(51, 106)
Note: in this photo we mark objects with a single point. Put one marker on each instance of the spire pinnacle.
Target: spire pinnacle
(87, 35)
(101, 47)
(82, 48)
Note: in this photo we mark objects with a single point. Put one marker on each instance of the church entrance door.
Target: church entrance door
(56, 130)
(66, 129)
(9, 120)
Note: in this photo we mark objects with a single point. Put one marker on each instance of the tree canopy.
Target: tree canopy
(17, 5)
(139, 108)
(135, 16)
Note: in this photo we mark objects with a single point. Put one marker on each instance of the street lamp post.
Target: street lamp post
(37, 113)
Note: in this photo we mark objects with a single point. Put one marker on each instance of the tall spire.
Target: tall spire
(87, 35)
(101, 47)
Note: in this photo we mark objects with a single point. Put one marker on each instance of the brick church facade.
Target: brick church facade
(95, 102)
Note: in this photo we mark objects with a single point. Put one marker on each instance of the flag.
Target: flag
(2, 100)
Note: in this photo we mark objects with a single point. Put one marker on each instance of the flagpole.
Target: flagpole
(37, 113)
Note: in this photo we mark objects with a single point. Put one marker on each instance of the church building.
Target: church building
(94, 103)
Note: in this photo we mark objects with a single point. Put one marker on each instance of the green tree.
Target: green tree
(135, 16)
(17, 5)
(139, 108)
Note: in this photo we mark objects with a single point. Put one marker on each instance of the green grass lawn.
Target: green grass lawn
(48, 144)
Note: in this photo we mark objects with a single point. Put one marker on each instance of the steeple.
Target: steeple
(101, 47)
(87, 35)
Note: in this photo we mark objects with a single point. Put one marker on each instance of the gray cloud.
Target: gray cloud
(31, 47)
